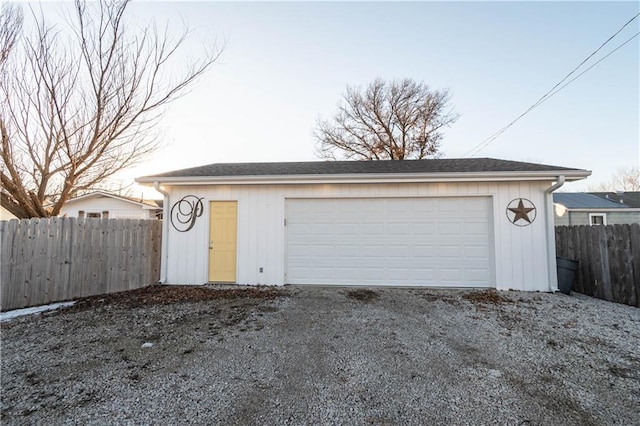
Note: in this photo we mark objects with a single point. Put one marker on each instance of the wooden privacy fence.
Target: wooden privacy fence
(609, 259)
(49, 260)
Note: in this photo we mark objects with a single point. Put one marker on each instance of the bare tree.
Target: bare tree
(396, 120)
(10, 26)
(624, 179)
(81, 105)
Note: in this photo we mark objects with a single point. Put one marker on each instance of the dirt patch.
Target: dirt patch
(440, 297)
(624, 372)
(486, 297)
(166, 295)
(363, 295)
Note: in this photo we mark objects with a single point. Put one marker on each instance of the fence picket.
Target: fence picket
(134, 270)
(5, 253)
(40, 259)
(146, 249)
(52, 259)
(600, 260)
(156, 242)
(85, 257)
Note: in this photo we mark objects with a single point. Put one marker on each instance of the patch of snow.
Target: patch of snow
(9, 315)
(147, 345)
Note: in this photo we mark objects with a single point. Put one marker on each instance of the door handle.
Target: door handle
(210, 245)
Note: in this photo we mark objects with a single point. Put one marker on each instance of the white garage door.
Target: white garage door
(439, 242)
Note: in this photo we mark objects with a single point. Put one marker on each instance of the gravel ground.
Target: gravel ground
(313, 355)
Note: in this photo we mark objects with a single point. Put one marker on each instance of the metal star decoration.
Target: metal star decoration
(521, 212)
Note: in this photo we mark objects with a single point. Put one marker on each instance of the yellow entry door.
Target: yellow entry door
(223, 221)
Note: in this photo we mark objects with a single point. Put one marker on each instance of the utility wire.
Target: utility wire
(593, 65)
(494, 136)
(476, 149)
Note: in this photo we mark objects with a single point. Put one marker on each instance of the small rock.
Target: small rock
(494, 374)
(147, 345)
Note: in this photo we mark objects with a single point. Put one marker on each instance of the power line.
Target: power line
(593, 65)
(495, 135)
(592, 54)
(553, 90)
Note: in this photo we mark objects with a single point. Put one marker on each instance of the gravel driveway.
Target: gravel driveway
(167, 355)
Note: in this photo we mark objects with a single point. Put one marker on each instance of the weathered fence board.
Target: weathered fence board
(49, 260)
(609, 259)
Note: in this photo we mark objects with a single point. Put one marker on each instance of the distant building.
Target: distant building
(101, 204)
(596, 208)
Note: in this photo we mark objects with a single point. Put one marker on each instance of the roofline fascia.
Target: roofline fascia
(571, 175)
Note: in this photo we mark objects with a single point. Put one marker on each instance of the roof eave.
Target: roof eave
(570, 175)
(601, 209)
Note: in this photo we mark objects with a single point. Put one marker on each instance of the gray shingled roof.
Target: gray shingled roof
(631, 198)
(445, 165)
(582, 200)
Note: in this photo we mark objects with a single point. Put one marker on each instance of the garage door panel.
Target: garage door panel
(401, 241)
(477, 275)
(373, 228)
(450, 252)
(476, 252)
(398, 228)
(450, 228)
(448, 205)
(473, 203)
(424, 252)
(422, 228)
(450, 274)
(402, 253)
(372, 274)
(372, 251)
(346, 273)
(297, 228)
(348, 228)
(348, 251)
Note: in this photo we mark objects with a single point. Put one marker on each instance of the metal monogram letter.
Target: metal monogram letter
(185, 212)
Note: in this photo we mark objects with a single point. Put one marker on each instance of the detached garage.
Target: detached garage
(436, 223)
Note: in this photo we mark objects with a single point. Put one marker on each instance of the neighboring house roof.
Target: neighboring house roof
(145, 204)
(441, 167)
(582, 200)
(631, 199)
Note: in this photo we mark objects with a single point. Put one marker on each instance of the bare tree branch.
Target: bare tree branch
(624, 179)
(80, 105)
(396, 120)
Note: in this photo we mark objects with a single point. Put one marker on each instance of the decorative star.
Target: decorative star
(521, 212)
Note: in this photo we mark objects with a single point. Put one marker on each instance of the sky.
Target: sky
(284, 65)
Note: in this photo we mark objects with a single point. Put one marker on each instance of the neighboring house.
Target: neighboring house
(597, 208)
(477, 222)
(100, 204)
(6, 214)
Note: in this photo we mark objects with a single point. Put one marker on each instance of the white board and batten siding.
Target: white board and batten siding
(516, 258)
